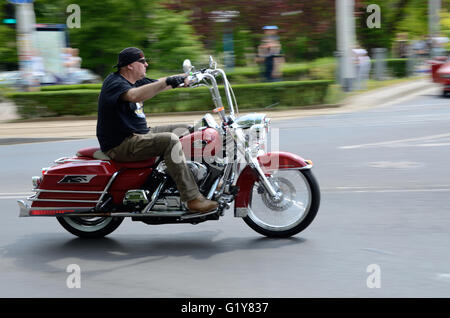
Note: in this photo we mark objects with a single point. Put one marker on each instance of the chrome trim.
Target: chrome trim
(67, 191)
(227, 91)
(36, 180)
(213, 189)
(196, 215)
(307, 167)
(62, 200)
(63, 160)
(248, 120)
(24, 208)
(154, 197)
(60, 208)
(113, 177)
(161, 214)
(254, 164)
(85, 178)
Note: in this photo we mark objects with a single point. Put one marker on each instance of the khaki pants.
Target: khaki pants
(161, 141)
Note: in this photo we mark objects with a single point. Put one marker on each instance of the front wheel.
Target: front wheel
(291, 214)
(90, 227)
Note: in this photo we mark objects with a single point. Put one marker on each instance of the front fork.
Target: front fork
(254, 164)
(274, 193)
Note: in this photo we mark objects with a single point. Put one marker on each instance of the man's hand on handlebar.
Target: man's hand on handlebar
(176, 81)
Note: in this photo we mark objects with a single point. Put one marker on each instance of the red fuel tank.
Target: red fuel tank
(201, 144)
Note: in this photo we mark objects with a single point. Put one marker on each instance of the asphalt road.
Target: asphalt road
(382, 229)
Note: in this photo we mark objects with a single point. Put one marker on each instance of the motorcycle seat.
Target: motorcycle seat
(96, 153)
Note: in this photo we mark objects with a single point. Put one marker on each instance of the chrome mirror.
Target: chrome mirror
(212, 64)
(187, 66)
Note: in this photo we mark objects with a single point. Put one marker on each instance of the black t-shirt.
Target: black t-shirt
(119, 119)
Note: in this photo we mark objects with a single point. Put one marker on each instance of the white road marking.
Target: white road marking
(434, 145)
(375, 250)
(385, 189)
(395, 164)
(443, 277)
(394, 143)
(15, 195)
(402, 190)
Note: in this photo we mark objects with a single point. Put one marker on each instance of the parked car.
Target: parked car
(81, 76)
(440, 72)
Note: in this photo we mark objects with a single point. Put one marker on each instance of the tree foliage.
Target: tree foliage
(172, 40)
(170, 30)
(109, 26)
(409, 17)
(445, 26)
(8, 49)
(306, 29)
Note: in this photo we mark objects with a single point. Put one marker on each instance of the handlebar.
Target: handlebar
(208, 76)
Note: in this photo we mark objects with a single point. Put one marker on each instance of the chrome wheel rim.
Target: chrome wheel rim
(290, 211)
(88, 224)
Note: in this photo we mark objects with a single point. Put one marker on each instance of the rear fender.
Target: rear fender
(269, 162)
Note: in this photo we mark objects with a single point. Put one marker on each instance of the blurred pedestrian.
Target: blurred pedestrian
(400, 46)
(37, 67)
(270, 54)
(363, 66)
(73, 65)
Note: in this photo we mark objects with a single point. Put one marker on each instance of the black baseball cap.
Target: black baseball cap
(128, 56)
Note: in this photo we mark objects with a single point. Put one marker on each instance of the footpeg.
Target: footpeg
(188, 216)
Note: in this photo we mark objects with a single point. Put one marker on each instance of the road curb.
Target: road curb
(388, 94)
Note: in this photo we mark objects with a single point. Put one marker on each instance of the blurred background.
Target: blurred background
(350, 44)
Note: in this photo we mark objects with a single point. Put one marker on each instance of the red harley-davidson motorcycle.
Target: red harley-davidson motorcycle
(275, 193)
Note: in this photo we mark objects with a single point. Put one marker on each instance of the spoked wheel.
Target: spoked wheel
(291, 214)
(90, 227)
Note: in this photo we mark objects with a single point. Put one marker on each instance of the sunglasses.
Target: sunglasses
(143, 60)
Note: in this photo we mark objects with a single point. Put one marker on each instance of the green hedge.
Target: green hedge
(70, 87)
(397, 67)
(316, 70)
(253, 74)
(253, 96)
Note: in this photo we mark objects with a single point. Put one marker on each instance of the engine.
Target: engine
(199, 171)
(169, 198)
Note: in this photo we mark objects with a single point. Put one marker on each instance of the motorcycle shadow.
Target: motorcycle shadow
(48, 252)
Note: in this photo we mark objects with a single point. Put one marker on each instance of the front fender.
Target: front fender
(269, 162)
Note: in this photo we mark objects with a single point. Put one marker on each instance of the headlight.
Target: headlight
(256, 127)
(256, 139)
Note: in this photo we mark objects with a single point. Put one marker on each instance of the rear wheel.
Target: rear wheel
(90, 227)
(291, 214)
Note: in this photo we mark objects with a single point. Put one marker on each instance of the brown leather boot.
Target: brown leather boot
(201, 205)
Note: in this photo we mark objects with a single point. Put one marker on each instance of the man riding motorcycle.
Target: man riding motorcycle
(122, 129)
